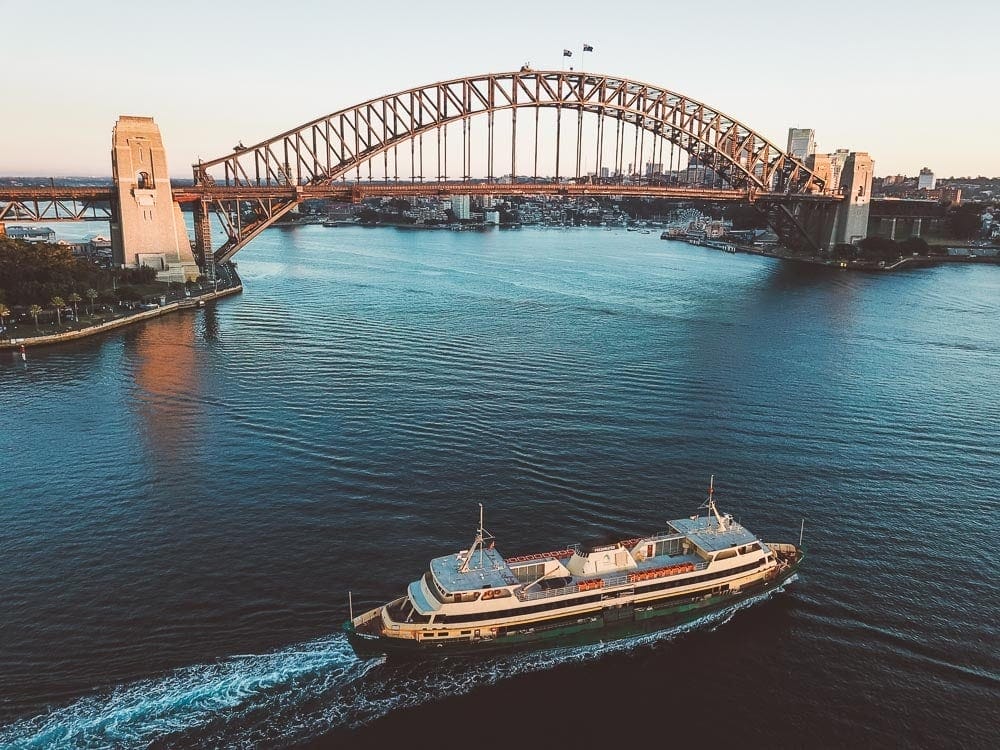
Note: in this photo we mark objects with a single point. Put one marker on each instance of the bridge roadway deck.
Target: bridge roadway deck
(357, 191)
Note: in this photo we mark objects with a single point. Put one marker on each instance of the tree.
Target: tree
(964, 221)
(912, 245)
(91, 295)
(74, 298)
(58, 303)
(4, 313)
(35, 311)
(879, 248)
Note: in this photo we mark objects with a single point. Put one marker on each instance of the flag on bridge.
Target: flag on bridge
(587, 48)
(567, 53)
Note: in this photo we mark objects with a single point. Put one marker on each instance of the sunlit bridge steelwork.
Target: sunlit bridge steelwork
(525, 132)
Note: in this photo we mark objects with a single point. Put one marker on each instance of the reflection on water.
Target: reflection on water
(166, 369)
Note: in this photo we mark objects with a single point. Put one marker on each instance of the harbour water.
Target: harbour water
(185, 504)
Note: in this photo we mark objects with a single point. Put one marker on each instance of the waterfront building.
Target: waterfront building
(31, 234)
(801, 143)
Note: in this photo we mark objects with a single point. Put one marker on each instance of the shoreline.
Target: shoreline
(187, 303)
(916, 261)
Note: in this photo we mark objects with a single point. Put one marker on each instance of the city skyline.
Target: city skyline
(216, 76)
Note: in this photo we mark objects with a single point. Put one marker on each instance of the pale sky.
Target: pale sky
(913, 83)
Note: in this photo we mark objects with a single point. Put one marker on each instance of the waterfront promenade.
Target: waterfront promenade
(229, 283)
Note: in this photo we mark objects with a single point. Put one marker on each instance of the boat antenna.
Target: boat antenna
(802, 530)
(350, 604)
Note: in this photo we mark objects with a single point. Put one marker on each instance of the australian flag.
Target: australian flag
(587, 48)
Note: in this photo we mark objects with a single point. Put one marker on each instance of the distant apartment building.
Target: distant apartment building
(801, 143)
(460, 206)
(926, 180)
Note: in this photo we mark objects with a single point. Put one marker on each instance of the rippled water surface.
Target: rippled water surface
(184, 505)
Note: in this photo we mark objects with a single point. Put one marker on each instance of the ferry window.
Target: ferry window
(754, 547)
(670, 547)
(726, 554)
(528, 573)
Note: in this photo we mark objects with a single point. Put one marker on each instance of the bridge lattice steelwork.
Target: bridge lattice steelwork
(627, 122)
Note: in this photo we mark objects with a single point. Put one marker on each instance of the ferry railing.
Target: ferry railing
(527, 596)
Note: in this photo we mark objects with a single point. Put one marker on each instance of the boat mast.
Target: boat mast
(712, 510)
(479, 536)
(477, 545)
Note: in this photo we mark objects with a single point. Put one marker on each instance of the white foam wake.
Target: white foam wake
(293, 694)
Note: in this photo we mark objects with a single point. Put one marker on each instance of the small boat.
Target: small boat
(476, 600)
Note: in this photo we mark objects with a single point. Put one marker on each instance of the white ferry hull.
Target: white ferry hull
(615, 618)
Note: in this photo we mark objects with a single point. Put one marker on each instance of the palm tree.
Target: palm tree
(91, 295)
(4, 313)
(35, 311)
(74, 298)
(58, 303)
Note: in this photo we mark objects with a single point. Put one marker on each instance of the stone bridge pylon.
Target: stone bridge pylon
(147, 227)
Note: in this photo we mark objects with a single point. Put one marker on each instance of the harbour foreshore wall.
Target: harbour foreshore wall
(60, 338)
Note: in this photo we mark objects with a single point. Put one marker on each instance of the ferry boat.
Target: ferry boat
(477, 600)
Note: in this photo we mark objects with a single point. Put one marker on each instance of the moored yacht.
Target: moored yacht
(477, 600)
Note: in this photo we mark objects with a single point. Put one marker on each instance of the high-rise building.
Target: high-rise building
(926, 180)
(801, 143)
(605, 173)
(460, 206)
(653, 168)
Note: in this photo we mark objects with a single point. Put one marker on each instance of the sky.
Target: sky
(912, 83)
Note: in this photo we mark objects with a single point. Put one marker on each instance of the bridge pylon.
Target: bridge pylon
(147, 228)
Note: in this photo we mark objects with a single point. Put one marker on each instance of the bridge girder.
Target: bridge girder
(55, 204)
(327, 149)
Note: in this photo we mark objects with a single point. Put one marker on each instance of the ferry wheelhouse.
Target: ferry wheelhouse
(477, 600)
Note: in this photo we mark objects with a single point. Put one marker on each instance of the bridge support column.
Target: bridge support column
(147, 228)
(917, 225)
(856, 187)
(203, 239)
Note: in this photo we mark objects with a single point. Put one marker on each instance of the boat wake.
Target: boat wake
(293, 694)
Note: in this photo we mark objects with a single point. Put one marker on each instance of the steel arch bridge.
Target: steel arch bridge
(356, 152)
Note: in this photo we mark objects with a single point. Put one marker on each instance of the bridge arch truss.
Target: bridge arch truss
(253, 186)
